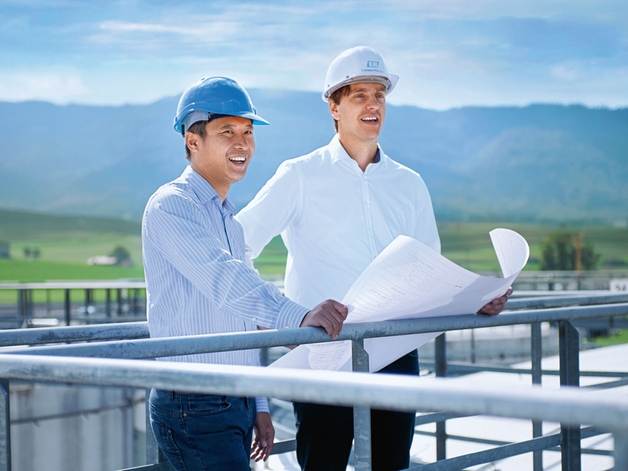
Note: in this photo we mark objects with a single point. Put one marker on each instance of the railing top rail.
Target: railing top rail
(396, 392)
(173, 346)
(568, 299)
(75, 333)
(96, 284)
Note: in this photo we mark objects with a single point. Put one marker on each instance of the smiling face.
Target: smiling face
(224, 154)
(360, 113)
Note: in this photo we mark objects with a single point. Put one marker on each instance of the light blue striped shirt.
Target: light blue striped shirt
(196, 279)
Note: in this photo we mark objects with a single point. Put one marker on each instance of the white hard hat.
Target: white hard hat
(355, 65)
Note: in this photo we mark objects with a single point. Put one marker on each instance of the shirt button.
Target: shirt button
(254, 318)
(185, 414)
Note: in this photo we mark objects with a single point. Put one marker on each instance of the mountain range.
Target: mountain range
(537, 163)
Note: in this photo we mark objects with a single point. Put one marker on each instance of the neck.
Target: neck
(222, 190)
(363, 152)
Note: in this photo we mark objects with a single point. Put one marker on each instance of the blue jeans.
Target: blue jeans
(202, 432)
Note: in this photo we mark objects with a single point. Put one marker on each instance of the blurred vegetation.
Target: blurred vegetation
(567, 251)
(66, 242)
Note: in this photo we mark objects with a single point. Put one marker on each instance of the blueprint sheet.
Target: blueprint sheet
(408, 280)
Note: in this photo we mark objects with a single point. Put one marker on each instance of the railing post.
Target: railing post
(621, 450)
(89, 299)
(537, 377)
(569, 350)
(68, 307)
(108, 302)
(119, 299)
(5, 427)
(361, 415)
(440, 367)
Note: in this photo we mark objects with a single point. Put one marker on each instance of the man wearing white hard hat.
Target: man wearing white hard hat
(197, 283)
(336, 209)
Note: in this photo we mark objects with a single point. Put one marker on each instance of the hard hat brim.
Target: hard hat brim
(389, 81)
(203, 116)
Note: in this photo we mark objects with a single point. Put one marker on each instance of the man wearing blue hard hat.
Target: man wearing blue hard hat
(337, 208)
(197, 283)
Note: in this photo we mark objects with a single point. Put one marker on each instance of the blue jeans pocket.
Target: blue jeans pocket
(207, 405)
(164, 436)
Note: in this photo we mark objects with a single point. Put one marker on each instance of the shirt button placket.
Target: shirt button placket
(366, 203)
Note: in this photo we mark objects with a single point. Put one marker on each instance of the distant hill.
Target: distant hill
(21, 225)
(537, 163)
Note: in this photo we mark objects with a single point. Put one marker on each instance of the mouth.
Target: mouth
(237, 160)
(370, 119)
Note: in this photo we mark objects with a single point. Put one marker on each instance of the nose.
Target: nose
(372, 103)
(244, 141)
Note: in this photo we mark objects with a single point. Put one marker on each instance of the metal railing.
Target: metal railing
(100, 302)
(115, 363)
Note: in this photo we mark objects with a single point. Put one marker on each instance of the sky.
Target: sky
(448, 53)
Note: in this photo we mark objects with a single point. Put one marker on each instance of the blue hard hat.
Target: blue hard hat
(214, 96)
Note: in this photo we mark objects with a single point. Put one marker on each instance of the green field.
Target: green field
(66, 242)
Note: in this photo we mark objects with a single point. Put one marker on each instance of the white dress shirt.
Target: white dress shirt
(335, 219)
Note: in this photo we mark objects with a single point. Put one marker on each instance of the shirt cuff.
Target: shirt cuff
(290, 315)
(262, 404)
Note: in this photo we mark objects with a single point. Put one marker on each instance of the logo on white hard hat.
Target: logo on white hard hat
(358, 64)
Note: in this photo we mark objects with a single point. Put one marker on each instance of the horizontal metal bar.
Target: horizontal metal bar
(488, 456)
(107, 284)
(284, 446)
(151, 467)
(502, 451)
(173, 346)
(82, 333)
(558, 301)
(586, 432)
(456, 367)
(432, 417)
(394, 392)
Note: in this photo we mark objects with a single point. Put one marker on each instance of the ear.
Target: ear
(192, 141)
(333, 109)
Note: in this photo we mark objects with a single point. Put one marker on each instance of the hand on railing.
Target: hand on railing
(329, 315)
(496, 305)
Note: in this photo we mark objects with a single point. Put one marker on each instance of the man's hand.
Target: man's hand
(329, 315)
(496, 305)
(264, 437)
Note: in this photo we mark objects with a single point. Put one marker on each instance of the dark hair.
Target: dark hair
(199, 129)
(336, 96)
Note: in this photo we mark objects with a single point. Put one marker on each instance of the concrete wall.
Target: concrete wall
(62, 428)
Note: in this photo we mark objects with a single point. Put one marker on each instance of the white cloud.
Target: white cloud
(448, 52)
(56, 87)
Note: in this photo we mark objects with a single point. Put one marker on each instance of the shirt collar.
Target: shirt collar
(339, 153)
(204, 191)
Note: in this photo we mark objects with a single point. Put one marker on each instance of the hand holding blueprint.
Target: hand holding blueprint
(409, 280)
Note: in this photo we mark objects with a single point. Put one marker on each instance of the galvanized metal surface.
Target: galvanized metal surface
(395, 392)
(144, 374)
(536, 355)
(5, 426)
(152, 348)
(361, 415)
(583, 298)
(105, 284)
(127, 330)
(569, 346)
